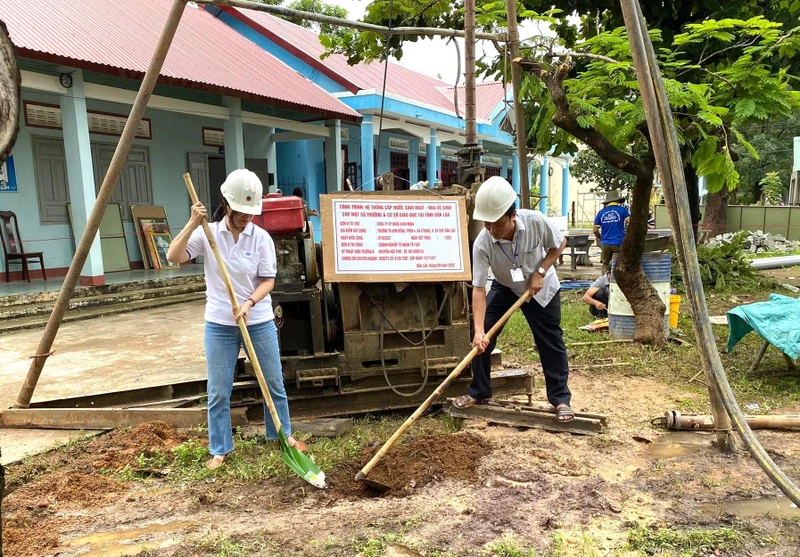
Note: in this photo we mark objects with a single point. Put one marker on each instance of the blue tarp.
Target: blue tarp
(575, 284)
(776, 320)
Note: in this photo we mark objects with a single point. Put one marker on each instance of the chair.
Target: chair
(12, 246)
(578, 245)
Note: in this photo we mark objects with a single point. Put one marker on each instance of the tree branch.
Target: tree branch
(566, 120)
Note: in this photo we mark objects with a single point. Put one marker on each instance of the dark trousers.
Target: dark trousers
(608, 252)
(601, 296)
(545, 324)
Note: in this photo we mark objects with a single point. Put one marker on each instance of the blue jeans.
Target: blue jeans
(222, 344)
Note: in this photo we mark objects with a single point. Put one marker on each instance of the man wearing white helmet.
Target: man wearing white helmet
(521, 248)
(249, 254)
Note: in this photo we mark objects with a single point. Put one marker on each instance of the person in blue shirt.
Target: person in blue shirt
(609, 226)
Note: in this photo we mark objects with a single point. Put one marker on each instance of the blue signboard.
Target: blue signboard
(8, 178)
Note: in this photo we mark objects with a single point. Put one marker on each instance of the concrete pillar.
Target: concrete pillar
(543, 178)
(78, 151)
(515, 176)
(504, 167)
(272, 159)
(796, 154)
(432, 158)
(333, 157)
(413, 161)
(565, 188)
(234, 135)
(384, 162)
(367, 155)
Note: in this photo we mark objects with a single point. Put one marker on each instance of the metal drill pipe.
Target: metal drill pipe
(469, 63)
(101, 203)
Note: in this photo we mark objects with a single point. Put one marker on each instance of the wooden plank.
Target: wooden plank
(107, 418)
(523, 418)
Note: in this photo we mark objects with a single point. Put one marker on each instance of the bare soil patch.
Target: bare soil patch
(414, 464)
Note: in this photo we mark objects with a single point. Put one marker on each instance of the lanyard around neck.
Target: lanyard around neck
(514, 246)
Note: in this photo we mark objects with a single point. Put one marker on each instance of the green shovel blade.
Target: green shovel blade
(301, 464)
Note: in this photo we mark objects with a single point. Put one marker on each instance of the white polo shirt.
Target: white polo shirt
(533, 237)
(248, 261)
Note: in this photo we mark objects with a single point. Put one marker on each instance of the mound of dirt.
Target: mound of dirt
(68, 489)
(120, 448)
(414, 464)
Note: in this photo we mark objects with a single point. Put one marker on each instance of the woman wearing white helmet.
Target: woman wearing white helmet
(249, 253)
(520, 247)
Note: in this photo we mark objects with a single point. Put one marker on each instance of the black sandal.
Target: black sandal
(565, 413)
(465, 401)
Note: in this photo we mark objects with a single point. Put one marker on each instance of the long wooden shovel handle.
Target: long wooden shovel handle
(235, 303)
(439, 390)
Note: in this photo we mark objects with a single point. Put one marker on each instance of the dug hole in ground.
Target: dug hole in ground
(458, 488)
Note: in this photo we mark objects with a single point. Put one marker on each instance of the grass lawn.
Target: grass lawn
(771, 387)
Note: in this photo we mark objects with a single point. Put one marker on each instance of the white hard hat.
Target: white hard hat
(243, 190)
(493, 199)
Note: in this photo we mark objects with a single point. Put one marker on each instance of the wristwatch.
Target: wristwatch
(541, 271)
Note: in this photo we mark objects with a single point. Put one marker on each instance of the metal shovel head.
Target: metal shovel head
(301, 464)
(372, 484)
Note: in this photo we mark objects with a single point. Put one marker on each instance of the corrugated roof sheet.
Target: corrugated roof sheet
(488, 96)
(400, 80)
(121, 35)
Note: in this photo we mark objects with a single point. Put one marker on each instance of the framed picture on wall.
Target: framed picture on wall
(158, 243)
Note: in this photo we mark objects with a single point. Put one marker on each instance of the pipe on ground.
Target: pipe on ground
(775, 262)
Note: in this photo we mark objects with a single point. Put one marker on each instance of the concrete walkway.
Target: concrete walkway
(139, 349)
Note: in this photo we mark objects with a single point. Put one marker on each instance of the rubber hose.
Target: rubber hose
(691, 269)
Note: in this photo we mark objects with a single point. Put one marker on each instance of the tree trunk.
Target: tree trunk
(9, 94)
(645, 302)
(690, 175)
(716, 218)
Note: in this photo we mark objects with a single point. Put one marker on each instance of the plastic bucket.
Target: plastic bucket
(674, 310)
(621, 322)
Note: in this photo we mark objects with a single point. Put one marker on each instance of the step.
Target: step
(37, 321)
(92, 291)
(11, 312)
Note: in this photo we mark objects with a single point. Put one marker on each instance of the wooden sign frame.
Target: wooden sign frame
(329, 247)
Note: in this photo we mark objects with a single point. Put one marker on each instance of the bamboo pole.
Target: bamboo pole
(100, 204)
(339, 22)
(513, 54)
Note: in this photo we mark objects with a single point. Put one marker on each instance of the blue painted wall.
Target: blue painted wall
(174, 137)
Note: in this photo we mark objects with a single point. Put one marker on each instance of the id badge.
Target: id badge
(517, 276)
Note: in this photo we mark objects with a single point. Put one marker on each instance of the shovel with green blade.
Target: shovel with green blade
(295, 459)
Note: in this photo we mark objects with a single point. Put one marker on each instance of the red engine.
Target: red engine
(281, 215)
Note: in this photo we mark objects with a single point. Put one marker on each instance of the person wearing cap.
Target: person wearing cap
(249, 254)
(610, 225)
(521, 248)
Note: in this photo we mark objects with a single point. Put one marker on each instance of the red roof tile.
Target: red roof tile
(488, 96)
(305, 44)
(119, 36)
